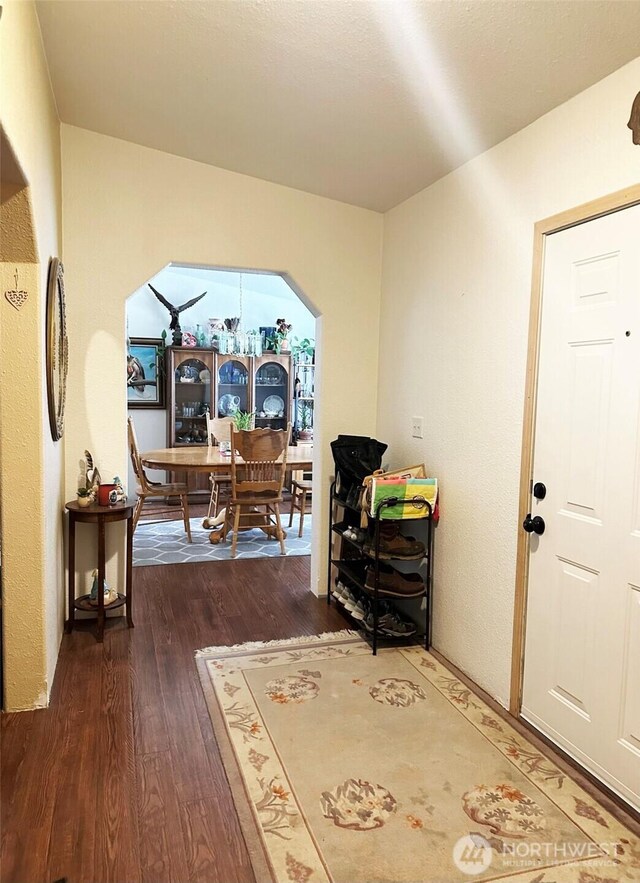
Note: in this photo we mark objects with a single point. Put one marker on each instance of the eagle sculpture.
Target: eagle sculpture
(174, 312)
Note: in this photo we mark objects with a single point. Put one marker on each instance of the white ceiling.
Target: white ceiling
(366, 102)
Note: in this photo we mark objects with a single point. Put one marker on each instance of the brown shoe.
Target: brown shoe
(393, 583)
(393, 544)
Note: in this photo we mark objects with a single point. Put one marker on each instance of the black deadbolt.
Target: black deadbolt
(539, 490)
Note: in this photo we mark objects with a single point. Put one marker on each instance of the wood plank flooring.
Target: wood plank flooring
(120, 778)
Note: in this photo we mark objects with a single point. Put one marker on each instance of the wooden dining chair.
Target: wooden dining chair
(258, 464)
(147, 489)
(300, 490)
(218, 430)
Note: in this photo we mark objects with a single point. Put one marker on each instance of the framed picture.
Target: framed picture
(146, 375)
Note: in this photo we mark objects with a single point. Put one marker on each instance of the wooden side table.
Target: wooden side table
(100, 515)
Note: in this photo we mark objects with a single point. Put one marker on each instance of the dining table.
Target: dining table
(202, 458)
(205, 458)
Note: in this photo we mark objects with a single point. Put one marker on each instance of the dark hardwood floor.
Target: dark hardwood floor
(120, 778)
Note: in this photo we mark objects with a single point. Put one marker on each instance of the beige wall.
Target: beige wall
(31, 464)
(129, 210)
(456, 287)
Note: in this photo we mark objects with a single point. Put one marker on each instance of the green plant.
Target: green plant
(244, 419)
(276, 340)
(83, 491)
(305, 347)
(162, 355)
(306, 415)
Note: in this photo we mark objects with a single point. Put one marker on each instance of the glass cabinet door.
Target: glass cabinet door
(192, 384)
(272, 395)
(233, 388)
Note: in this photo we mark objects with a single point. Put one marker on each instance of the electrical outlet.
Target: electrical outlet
(416, 427)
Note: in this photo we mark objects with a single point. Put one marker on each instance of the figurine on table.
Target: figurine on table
(110, 595)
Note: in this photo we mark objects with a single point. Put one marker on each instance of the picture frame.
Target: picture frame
(146, 373)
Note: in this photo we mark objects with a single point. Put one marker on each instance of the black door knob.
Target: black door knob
(534, 525)
(539, 490)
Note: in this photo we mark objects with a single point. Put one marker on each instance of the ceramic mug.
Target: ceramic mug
(104, 494)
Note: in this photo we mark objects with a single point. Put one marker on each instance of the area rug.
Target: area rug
(355, 768)
(165, 542)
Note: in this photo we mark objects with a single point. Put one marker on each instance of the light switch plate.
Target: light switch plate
(416, 427)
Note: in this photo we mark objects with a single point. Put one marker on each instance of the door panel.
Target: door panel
(630, 704)
(582, 650)
(588, 417)
(574, 632)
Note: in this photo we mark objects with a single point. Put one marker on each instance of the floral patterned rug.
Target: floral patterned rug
(355, 768)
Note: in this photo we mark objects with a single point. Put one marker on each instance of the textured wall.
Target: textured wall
(453, 343)
(32, 464)
(129, 210)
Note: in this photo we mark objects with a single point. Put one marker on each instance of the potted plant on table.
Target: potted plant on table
(244, 419)
(83, 496)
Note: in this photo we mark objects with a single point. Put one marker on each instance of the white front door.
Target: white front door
(582, 651)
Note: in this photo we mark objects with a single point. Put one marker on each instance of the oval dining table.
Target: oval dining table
(202, 458)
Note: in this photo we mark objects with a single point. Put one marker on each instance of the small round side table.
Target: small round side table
(100, 515)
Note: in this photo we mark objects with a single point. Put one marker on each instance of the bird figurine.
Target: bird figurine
(91, 475)
(174, 312)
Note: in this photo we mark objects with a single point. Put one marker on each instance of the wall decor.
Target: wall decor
(16, 297)
(146, 376)
(57, 348)
(174, 312)
(634, 119)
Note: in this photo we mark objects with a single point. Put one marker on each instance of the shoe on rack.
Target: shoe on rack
(393, 625)
(341, 590)
(393, 583)
(393, 544)
(349, 600)
(361, 609)
(367, 622)
(390, 625)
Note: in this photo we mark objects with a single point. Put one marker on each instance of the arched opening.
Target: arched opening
(234, 362)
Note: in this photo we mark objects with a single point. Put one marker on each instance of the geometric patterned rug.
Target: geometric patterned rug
(353, 768)
(166, 543)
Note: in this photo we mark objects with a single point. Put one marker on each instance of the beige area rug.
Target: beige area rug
(356, 768)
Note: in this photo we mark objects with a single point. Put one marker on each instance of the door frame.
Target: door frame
(597, 208)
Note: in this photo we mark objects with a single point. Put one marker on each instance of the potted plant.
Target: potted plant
(84, 496)
(304, 350)
(244, 419)
(306, 422)
(279, 341)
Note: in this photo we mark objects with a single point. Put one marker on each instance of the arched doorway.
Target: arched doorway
(279, 371)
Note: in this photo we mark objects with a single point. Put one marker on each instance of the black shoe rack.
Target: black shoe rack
(352, 562)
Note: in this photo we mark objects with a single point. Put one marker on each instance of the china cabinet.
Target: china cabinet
(201, 379)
